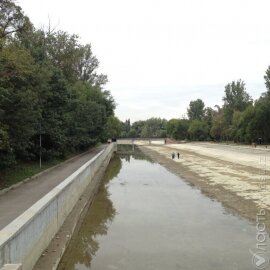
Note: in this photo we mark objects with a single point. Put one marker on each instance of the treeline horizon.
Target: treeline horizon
(240, 119)
(49, 89)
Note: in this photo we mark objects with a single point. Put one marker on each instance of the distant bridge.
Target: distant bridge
(127, 146)
(142, 141)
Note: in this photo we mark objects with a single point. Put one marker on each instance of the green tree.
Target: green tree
(218, 126)
(6, 154)
(18, 99)
(208, 116)
(137, 127)
(178, 129)
(49, 86)
(247, 125)
(259, 126)
(198, 130)
(113, 127)
(235, 99)
(196, 110)
(54, 107)
(12, 19)
(267, 80)
(125, 129)
(154, 127)
(132, 133)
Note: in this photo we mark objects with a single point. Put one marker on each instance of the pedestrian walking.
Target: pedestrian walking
(178, 155)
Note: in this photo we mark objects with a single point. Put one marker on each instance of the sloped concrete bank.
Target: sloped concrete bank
(25, 239)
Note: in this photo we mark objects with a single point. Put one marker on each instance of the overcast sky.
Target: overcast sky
(159, 55)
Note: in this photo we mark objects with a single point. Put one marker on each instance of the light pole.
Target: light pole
(40, 144)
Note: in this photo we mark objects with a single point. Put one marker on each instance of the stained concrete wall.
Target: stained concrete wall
(24, 239)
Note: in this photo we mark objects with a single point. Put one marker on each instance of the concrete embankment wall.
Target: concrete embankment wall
(24, 239)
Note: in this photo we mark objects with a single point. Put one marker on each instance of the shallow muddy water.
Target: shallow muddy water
(145, 217)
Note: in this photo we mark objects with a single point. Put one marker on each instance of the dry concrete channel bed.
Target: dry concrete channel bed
(236, 176)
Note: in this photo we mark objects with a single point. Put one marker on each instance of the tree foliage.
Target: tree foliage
(178, 129)
(12, 19)
(235, 99)
(238, 119)
(267, 80)
(113, 127)
(154, 127)
(196, 110)
(198, 130)
(49, 87)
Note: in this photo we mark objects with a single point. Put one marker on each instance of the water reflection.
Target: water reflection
(136, 154)
(148, 218)
(126, 151)
(95, 223)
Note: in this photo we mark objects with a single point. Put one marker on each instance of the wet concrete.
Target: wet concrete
(145, 217)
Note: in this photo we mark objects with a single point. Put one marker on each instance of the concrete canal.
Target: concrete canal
(144, 217)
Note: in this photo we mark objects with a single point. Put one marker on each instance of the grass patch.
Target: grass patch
(23, 170)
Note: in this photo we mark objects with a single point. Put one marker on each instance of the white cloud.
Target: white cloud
(161, 54)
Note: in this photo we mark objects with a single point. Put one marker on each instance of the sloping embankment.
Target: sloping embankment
(24, 239)
(243, 189)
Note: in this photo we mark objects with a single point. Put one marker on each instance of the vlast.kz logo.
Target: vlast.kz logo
(260, 260)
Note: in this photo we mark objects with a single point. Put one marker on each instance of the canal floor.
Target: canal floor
(144, 217)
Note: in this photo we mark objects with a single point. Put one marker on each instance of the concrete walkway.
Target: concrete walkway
(16, 201)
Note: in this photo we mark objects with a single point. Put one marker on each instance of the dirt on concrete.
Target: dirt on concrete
(244, 190)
